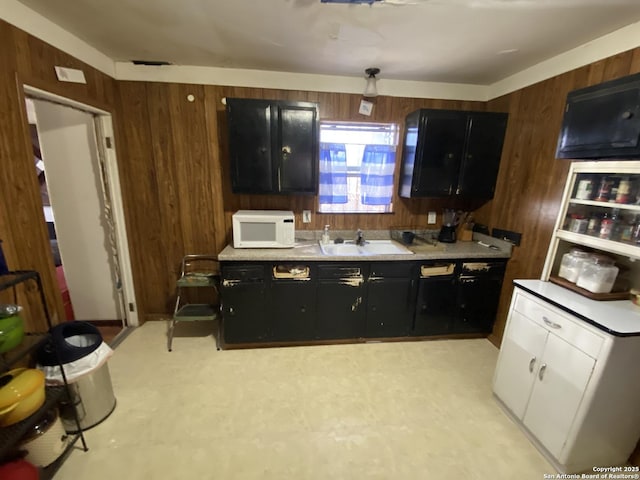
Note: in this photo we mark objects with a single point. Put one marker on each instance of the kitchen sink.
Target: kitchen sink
(371, 247)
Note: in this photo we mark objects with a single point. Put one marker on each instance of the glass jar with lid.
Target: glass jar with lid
(597, 274)
(571, 264)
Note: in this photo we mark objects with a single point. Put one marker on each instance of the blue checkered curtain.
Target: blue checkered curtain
(376, 174)
(333, 173)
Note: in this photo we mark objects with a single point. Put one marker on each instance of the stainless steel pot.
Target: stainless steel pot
(46, 441)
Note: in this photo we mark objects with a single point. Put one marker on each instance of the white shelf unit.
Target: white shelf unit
(626, 254)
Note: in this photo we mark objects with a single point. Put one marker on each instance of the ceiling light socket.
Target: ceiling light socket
(372, 71)
(370, 90)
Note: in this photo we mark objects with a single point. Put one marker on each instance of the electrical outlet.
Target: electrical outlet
(306, 216)
(431, 218)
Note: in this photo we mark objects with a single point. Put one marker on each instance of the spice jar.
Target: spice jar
(571, 264)
(585, 189)
(578, 224)
(593, 227)
(606, 226)
(597, 274)
(624, 191)
(604, 190)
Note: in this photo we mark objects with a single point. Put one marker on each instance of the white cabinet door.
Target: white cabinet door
(519, 362)
(561, 380)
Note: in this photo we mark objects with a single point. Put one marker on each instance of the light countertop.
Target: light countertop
(618, 317)
(309, 250)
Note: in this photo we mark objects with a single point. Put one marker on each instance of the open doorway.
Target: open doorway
(75, 164)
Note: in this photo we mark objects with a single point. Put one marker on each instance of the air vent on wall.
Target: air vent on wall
(350, 1)
(153, 63)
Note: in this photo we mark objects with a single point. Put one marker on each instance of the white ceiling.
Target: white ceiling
(453, 41)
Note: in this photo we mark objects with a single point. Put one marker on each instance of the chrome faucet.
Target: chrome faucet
(359, 238)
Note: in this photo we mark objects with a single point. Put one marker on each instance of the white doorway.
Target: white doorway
(79, 158)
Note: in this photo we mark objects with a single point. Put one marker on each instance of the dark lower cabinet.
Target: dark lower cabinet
(245, 306)
(479, 285)
(264, 302)
(460, 297)
(341, 296)
(293, 310)
(390, 299)
(436, 305)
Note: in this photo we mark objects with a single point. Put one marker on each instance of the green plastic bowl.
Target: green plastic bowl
(11, 332)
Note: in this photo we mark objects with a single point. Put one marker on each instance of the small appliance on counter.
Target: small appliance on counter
(450, 221)
(263, 229)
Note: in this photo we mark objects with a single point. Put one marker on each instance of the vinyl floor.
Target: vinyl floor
(405, 410)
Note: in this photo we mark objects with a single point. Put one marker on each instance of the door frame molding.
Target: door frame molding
(104, 128)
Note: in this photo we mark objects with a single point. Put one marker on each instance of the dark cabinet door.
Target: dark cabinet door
(251, 133)
(438, 154)
(298, 148)
(481, 159)
(390, 300)
(451, 152)
(435, 306)
(341, 307)
(273, 146)
(294, 309)
(246, 310)
(245, 313)
(602, 121)
(478, 297)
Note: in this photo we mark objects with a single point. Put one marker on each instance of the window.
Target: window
(357, 163)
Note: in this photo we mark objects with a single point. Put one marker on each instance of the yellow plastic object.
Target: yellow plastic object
(21, 394)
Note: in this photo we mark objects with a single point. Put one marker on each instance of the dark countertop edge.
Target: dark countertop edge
(590, 321)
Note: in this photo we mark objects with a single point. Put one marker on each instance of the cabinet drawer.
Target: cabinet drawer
(339, 271)
(560, 323)
(391, 269)
(248, 273)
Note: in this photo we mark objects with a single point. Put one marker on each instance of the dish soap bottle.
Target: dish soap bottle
(325, 236)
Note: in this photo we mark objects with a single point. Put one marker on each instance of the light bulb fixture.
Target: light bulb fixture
(370, 90)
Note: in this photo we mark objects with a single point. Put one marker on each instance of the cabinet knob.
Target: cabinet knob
(286, 151)
(231, 311)
(303, 309)
(263, 150)
(627, 115)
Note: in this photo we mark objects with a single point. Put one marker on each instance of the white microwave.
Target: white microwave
(263, 229)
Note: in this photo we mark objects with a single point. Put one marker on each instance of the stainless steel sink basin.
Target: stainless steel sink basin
(371, 247)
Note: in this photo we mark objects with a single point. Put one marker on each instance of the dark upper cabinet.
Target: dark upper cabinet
(273, 146)
(451, 152)
(602, 121)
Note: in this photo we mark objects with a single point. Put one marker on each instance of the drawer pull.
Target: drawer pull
(532, 363)
(550, 323)
(543, 368)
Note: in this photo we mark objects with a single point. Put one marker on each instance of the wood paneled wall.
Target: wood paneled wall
(175, 174)
(531, 179)
(27, 60)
